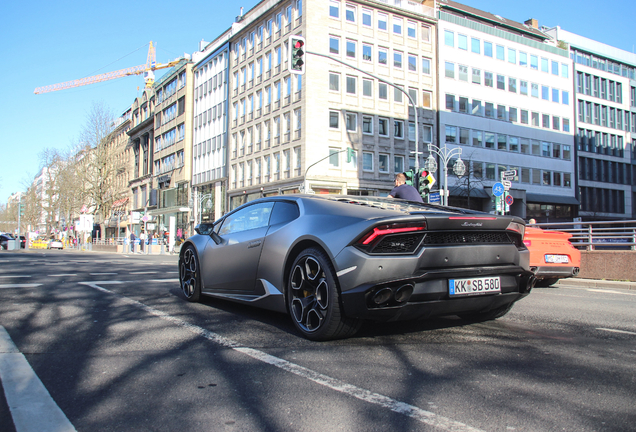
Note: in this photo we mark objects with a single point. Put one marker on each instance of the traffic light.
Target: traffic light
(351, 155)
(296, 63)
(21, 209)
(425, 182)
(410, 178)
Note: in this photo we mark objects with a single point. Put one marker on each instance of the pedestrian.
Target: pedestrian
(142, 240)
(404, 191)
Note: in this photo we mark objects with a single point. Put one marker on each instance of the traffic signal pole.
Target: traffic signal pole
(19, 216)
(417, 151)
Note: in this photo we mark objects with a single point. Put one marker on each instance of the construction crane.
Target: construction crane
(146, 69)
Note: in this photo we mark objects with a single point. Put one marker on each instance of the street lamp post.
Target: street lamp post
(202, 199)
(445, 155)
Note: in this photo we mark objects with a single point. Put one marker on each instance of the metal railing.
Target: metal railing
(598, 234)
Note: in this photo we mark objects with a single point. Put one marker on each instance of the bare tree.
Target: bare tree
(98, 163)
(52, 161)
(32, 208)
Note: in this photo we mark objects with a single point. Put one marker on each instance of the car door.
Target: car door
(236, 255)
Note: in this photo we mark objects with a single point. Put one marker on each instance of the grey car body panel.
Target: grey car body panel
(334, 226)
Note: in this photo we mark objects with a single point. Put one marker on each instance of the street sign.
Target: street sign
(498, 189)
(509, 173)
(507, 184)
(509, 200)
(434, 198)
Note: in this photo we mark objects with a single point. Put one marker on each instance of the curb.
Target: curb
(597, 283)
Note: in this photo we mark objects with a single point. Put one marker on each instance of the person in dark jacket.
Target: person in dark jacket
(404, 191)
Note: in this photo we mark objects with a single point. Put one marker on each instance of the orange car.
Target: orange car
(552, 256)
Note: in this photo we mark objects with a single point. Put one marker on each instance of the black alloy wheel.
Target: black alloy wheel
(314, 300)
(189, 275)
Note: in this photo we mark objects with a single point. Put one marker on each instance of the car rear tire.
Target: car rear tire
(189, 274)
(487, 316)
(314, 300)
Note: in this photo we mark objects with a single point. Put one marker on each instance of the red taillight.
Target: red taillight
(384, 230)
(528, 243)
(471, 218)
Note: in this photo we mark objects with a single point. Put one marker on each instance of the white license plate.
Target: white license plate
(557, 259)
(474, 286)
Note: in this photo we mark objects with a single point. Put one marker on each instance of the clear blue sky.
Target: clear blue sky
(47, 42)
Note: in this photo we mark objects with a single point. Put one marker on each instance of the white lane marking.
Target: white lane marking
(101, 274)
(33, 285)
(164, 280)
(607, 291)
(144, 272)
(408, 410)
(616, 331)
(32, 407)
(14, 276)
(63, 274)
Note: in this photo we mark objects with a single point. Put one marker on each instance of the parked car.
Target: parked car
(333, 261)
(55, 244)
(4, 240)
(552, 256)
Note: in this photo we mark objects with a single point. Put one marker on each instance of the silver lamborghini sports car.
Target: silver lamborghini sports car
(332, 261)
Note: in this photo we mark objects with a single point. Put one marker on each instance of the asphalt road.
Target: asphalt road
(117, 348)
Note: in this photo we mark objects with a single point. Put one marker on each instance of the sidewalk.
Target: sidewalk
(596, 283)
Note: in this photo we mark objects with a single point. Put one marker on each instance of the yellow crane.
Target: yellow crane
(146, 69)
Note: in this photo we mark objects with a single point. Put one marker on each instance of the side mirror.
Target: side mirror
(204, 229)
(217, 238)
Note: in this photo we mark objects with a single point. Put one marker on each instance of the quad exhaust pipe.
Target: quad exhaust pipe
(392, 296)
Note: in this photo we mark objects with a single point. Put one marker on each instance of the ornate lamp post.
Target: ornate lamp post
(445, 155)
(205, 201)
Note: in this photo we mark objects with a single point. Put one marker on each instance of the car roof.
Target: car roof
(399, 206)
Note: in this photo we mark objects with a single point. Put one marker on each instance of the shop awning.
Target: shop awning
(551, 199)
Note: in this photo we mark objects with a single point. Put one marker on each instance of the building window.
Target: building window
(398, 129)
(449, 38)
(366, 17)
(367, 52)
(334, 157)
(397, 59)
(367, 125)
(426, 66)
(397, 25)
(351, 49)
(334, 81)
(352, 122)
(351, 85)
(427, 97)
(383, 56)
(383, 91)
(350, 14)
(334, 45)
(382, 21)
(333, 119)
(367, 161)
(383, 127)
(449, 70)
(367, 87)
(411, 29)
(334, 9)
(383, 163)
(462, 42)
(475, 45)
(398, 164)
